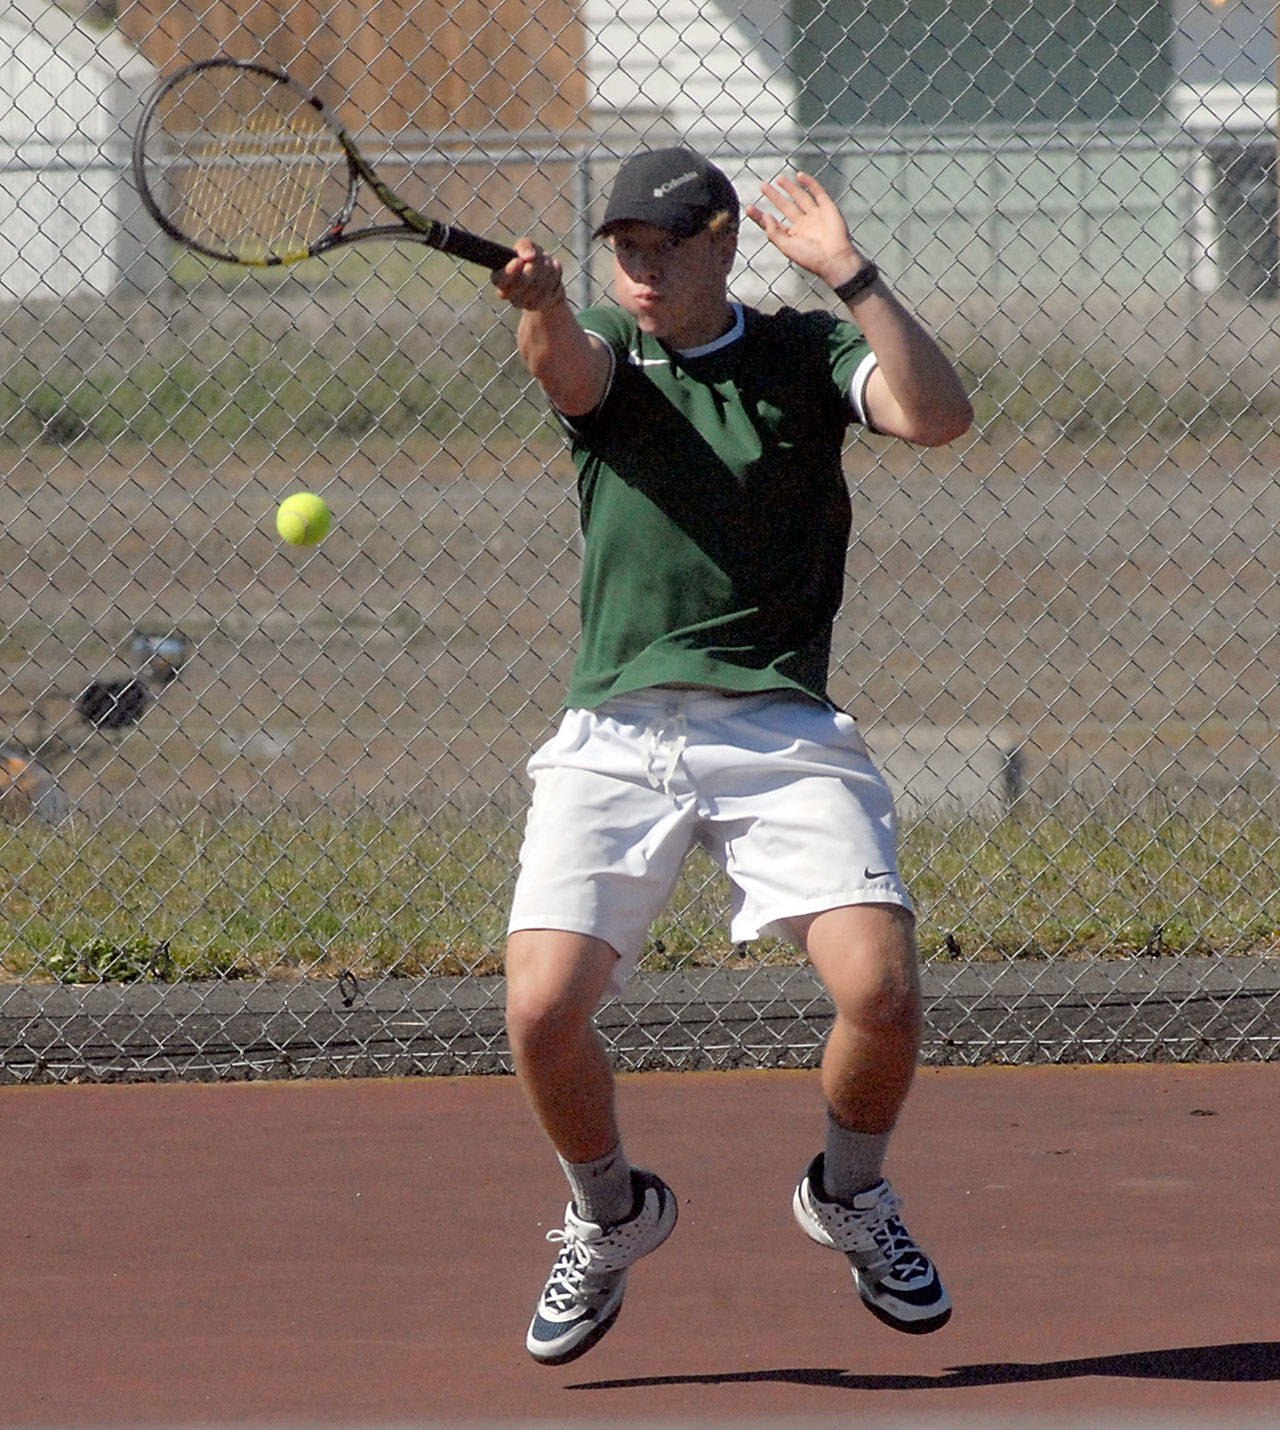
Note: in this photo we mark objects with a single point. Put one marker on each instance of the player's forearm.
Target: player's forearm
(561, 356)
(570, 368)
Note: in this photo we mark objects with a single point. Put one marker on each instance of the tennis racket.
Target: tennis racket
(242, 163)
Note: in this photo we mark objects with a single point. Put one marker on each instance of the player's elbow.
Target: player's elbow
(934, 424)
(950, 422)
(572, 369)
(929, 412)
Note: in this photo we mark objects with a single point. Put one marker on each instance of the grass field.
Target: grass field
(388, 893)
(335, 778)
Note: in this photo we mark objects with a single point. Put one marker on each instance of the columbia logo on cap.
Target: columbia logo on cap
(664, 189)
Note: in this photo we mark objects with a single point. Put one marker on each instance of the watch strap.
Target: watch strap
(853, 288)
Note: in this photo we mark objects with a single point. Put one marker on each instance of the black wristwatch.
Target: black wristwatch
(856, 286)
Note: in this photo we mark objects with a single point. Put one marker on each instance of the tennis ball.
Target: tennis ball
(303, 519)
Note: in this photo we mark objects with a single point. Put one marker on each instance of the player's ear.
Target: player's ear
(724, 233)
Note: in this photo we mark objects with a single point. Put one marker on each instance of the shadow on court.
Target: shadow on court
(366, 1253)
(1247, 1362)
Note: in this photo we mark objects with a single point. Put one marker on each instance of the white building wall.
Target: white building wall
(72, 219)
(700, 71)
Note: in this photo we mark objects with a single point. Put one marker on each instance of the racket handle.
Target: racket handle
(473, 249)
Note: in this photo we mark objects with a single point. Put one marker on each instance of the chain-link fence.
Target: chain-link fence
(260, 805)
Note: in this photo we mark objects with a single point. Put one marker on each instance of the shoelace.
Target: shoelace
(569, 1275)
(906, 1260)
(893, 1241)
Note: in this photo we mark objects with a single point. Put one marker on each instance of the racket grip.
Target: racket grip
(473, 249)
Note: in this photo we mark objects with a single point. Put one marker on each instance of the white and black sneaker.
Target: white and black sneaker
(583, 1294)
(896, 1280)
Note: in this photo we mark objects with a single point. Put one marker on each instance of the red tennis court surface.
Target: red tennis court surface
(367, 1253)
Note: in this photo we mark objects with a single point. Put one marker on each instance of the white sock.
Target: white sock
(601, 1189)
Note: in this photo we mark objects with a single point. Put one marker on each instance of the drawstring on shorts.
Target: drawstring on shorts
(663, 748)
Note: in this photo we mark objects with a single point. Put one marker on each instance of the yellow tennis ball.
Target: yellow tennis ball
(303, 519)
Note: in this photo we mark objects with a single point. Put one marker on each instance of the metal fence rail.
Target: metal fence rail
(259, 806)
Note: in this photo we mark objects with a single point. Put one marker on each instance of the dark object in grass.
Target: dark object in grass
(113, 704)
(160, 657)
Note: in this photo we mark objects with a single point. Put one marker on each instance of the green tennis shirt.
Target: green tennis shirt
(714, 509)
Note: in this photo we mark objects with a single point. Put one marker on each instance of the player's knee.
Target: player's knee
(550, 1001)
(879, 992)
(887, 1006)
(867, 958)
(538, 1021)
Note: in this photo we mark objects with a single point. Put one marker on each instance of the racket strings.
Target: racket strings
(252, 169)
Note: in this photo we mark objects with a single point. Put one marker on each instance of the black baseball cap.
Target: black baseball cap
(674, 189)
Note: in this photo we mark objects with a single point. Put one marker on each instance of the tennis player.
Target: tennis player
(707, 438)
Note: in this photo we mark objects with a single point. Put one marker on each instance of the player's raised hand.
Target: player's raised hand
(532, 280)
(811, 230)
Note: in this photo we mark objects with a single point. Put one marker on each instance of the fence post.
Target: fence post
(581, 239)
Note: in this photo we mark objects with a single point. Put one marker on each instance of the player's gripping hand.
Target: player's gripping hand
(532, 280)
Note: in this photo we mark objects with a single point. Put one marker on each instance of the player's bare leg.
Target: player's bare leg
(866, 956)
(555, 981)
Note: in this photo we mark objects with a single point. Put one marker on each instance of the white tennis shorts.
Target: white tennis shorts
(781, 792)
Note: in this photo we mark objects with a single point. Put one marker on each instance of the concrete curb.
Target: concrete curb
(1133, 1010)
